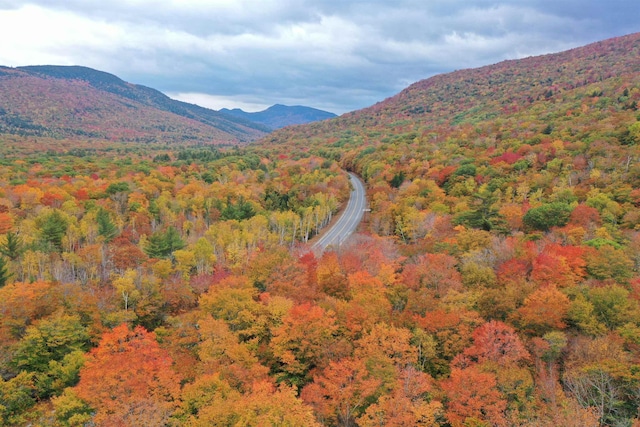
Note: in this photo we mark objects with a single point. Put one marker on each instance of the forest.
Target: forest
(495, 281)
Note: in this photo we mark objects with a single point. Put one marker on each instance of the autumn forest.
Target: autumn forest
(159, 270)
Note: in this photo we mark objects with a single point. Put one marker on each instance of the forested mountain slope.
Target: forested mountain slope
(512, 99)
(65, 102)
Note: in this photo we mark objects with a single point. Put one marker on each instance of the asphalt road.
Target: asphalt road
(348, 221)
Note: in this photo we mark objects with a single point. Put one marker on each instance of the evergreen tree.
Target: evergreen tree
(4, 272)
(397, 180)
(12, 248)
(173, 241)
(106, 227)
(483, 212)
(163, 244)
(154, 209)
(240, 210)
(53, 229)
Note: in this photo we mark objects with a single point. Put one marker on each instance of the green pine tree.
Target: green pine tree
(483, 212)
(106, 227)
(162, 244)
(13, 247)
(4, 272)
(53, 229)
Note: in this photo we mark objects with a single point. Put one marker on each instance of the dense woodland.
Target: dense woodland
(495, 282)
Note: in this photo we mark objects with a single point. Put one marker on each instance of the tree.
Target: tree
(498, 303)
(302, 342)
(557, 265)
(106, 227)
(4, 272)
(242, 209)
(452, 332)
(128, 379)
(125, 255)
(613, 307)
(16, 395)
(47, 350)
(211, 401)
(208, 400)
(125, 285)
(548, 351)
(23, 303)
(331, 279)
(162, 244)
(70, 410)
(12, 247)
(607, 262)
(493, 342)
(117, 187)
(549, 215)
(386, 350)
(369, 304)
(582, 314)
(53, 228)
(544, 309)
(585, 217)
(234, 301)
(340, 393)
(204, 256)
(595, 386)
(483, 213)
(397, 180)
(408, 404)
(119, 193)
(219, 351)
(473, 398)
(6, 223)
(433, 271)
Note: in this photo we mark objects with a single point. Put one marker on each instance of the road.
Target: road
(348, 221)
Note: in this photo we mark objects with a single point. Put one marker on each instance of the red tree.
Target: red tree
(493, 342)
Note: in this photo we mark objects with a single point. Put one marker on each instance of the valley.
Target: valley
(165, 264)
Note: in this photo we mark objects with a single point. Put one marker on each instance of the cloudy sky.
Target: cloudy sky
(337, 55)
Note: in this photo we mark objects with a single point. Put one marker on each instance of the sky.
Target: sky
(335, 55)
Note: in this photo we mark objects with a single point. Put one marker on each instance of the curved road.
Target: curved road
(348, 221)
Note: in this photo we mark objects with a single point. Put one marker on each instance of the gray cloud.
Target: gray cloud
(337, 55)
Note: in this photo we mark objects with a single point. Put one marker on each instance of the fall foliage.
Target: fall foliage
(494, 282)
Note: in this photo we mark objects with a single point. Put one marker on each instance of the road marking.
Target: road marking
(349, 220)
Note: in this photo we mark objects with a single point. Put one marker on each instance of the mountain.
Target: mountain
(279, 116)
(515, 99)
(73, 101)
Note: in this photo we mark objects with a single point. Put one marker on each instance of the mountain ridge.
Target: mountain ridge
(278, 116)
(173, 120)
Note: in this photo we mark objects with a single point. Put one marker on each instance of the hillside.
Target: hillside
(63, 102)
(279, 116)
(551, 89)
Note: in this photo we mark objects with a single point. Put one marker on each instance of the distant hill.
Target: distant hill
(74, 101)
(279, 116)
